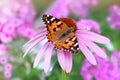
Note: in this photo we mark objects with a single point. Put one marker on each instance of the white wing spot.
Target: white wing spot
(47, 15)
(73, 38)
(48, 21)
(58, 23)
(76, 44)
(52, 19)
(72, 48)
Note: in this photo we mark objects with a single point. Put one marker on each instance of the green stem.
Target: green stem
(63, 75)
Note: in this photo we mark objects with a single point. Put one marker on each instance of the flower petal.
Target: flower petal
(61, 59)
(34, 38)
(92, 36)
(39, 55)
(34, 44)
(41, 27)
(86, 52)
(48, 58)
(95, 48)
(68, 60)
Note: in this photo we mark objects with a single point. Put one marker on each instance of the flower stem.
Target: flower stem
(63, 75)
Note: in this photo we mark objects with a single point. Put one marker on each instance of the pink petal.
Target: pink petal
(34, 44)
(95, 48)
(34, 38)
(41, 28)
(61, 59)
(68, 61)
(39, 55)
(87, 53)
(92, 36)
(48, 58)
(40, 33)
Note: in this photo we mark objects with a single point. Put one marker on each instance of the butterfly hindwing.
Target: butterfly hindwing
(75, 47)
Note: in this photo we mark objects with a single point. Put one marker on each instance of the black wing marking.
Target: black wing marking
(48, 19)
(74, 48)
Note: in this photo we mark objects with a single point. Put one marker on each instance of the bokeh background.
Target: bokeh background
(19, 22)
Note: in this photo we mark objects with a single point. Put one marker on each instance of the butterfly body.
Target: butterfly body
(61, 32)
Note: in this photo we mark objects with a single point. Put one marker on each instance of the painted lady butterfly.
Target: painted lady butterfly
(61, 32)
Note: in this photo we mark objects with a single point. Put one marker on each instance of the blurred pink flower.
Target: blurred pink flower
(10, 29)
(3, 49)
(12, 58)
(3, 60)
(86, 43)
(115, 58)
(89, 25)
(7, 74)
(5, 37)
(114, 17)
(15, 14)
(105, 70)
(8, 67)
(28, 32)
(91, 3)
(59, 8)
(79, 8)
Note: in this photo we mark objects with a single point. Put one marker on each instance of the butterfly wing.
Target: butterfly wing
(57, 31)
(53, 25)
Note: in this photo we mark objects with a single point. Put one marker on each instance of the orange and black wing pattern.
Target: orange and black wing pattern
(61, 32)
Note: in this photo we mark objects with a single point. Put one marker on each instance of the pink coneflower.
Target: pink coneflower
(85, 40)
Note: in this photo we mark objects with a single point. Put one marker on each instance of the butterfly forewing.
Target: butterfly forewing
(48, 19)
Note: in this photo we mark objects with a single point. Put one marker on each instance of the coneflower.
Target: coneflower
(65, 45)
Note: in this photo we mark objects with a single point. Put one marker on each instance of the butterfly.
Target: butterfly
(61, 32)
